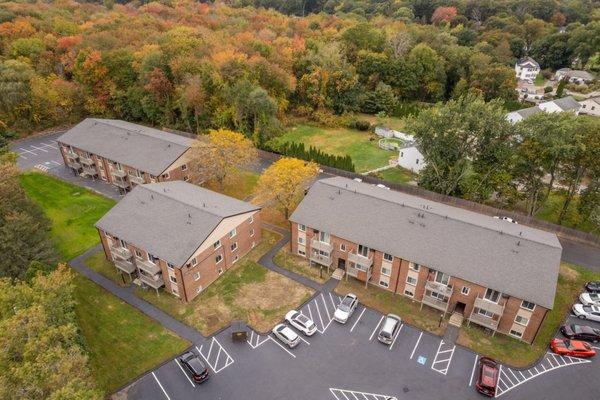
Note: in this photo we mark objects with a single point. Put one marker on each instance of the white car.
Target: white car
(286, 335)
(507, 219)
(587, 312)
(301, 322)
(346, 308)
(590, 299)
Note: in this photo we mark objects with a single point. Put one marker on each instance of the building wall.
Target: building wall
(590, 107)
(401, 271)
(187, 283)
(411, 158)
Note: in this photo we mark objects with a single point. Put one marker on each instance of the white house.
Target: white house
(590, 106)
(558, 105)
(410, 157)
(527, 69)
(574, 76)
(519, 115)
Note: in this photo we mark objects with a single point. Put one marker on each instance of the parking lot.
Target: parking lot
(347, 362)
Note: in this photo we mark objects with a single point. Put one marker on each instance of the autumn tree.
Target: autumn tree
(219, 155)
(282, 185)
(443, 14)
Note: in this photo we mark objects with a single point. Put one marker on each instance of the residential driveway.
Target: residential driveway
(346, 362)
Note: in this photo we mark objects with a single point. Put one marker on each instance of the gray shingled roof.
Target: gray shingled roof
(146, 149)
(567, 103)
(528, 60)
(170, 219)
(529, 111)
(515, 259)
(577, 73)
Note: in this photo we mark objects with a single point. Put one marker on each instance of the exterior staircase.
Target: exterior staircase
(338, 274)
(456, 319)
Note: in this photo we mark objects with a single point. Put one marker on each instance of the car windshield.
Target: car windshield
(576, 328)
(594, 296)
(345, 304)
(302, 319)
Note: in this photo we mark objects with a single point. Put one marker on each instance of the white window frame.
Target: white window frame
(301, 253)
(492, 291)
(342, 247)
(194, 262)
(363, 250)
(150, 257)
(252, 232)
(170, 266)
(233, 233)
(217, 245)
(485, 313)
(302, 227)
(384, 284)
(184, 167)
(385, 267)
(233, 247)
(138, 254)
(516, 334)
(520, 322)
(174, 291)
(408, 293)
(251, 219)
(218, 258)
(197, 276)
(166, 175)
(408, 281)
(465, 292)
(385, 257)
(527, 308)
(413, 266)
(199, 289)
(172, 279)
(301, 240)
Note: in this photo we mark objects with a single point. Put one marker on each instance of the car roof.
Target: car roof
(287, 331)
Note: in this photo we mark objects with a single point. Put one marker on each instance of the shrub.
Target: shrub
(548, 89)
(360, 124)
(298, 150)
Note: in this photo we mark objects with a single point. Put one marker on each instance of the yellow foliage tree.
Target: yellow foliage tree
(283, 183)
(220, 155)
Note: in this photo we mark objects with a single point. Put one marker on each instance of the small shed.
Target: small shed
(239, 331)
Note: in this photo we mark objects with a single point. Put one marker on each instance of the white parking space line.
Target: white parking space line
(161, 386)
(332, 302)
(353, 394)
(41, 167)
(55, 162)
(280, 345)
(219, 349)
(39, 148)
(27, 151)
(396, 337)
(183, 372)
(22, 156)
(377, 326)
(49, 145)
(473, 370)
(358, 319)
(325, 304)
(416, 345)
(304, 340)
(255, 341)
(316, 304)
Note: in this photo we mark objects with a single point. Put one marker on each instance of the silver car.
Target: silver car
(346, 308)
(390, 327)
(286, 335)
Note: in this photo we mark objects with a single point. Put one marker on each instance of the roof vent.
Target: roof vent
(152, 196)
(189, 215)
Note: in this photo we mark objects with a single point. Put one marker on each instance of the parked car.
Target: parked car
(487, 378)
(507, 219)
(581, 332)
(593, 287)
(345, 308)
(194, 366)
(301, 322)
(286, 335)
(590, 299)
(573, 348)
(388, 330)
(587, 312)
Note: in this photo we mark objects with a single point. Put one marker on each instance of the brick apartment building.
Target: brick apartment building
(497, 274)
(178, 235)
(124, 154)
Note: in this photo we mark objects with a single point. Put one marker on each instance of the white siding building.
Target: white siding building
(527, 69)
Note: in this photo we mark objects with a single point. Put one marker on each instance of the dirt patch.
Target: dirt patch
(568, 273)
(211, 315)
(274, 292)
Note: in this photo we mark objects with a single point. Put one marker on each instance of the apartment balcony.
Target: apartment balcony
(90, 170)
(484, 321)
(136, 179)
(435, 302)
(320, 259)
(323, 246)
(154, 282)
(71, 154)
(439, 288)
(74, 164)
(148, 267)
(359, 259)
(125, 266)
(121, 183)
(351, 271)
(117, 173)
(86, 160)
(121, 252)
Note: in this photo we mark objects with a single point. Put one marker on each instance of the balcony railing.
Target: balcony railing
(323, 246)
(121, 252)
(490, 306)
(118, 173)
(121, 183)
(138, 180)
(154, 282)
(435, 302)
(125, 266)
(90, 170)
(71, 154)
(360, 259)
(86, 160)
(147, 266)
(75, 165)
(483, 321)
(320, 259)
(439, 288)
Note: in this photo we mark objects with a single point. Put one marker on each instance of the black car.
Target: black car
(194, 366)
(593, 287)
(581, 332)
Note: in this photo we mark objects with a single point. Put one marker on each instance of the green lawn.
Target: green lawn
(246, 291)
(101, 265)
(72, 210)
(342, 141)
(389, 122)
(396, 175)
(540, 80)
(239, 186)
(122, 343)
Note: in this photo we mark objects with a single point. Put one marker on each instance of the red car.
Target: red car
(487, 380)
(573, 348)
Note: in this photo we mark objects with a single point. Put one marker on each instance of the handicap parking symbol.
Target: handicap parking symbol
(421, 360)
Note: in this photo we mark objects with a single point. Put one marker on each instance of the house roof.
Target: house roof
(170, 219)
(527, 60)
(567, 103)
(577, 73)
(592, 99)
(528, 112)
(146, 149)
(515, 259)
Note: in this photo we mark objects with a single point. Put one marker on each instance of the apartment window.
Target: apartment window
(138, 254)
(119, 166)
(166, 175)
(252, 232)
(194, 261)
(342, 247)
(516, 334)
(302, 253)
(386, 271)
(465, 290)
(408, 293)
(175, 291)
(363, 250)
(198, 289)
(300, 240)
(492, 295)
(527, 305)
(236, 258)
(218, 258)
(184, 167)
(442, 278)
(172, 279)
(233, 233)
(384, 284)
(186, 178)
(122, 243)
(153, 259)
(388, 257)
(324, 237)
(101, 165)
(233, 246)
(414, 266)
(521, 320)
(302, 228)
(220, 271)
(411, 281)
(197, 276)
(217, 244)
(170, 266)
(251, 219)
(485, 313)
